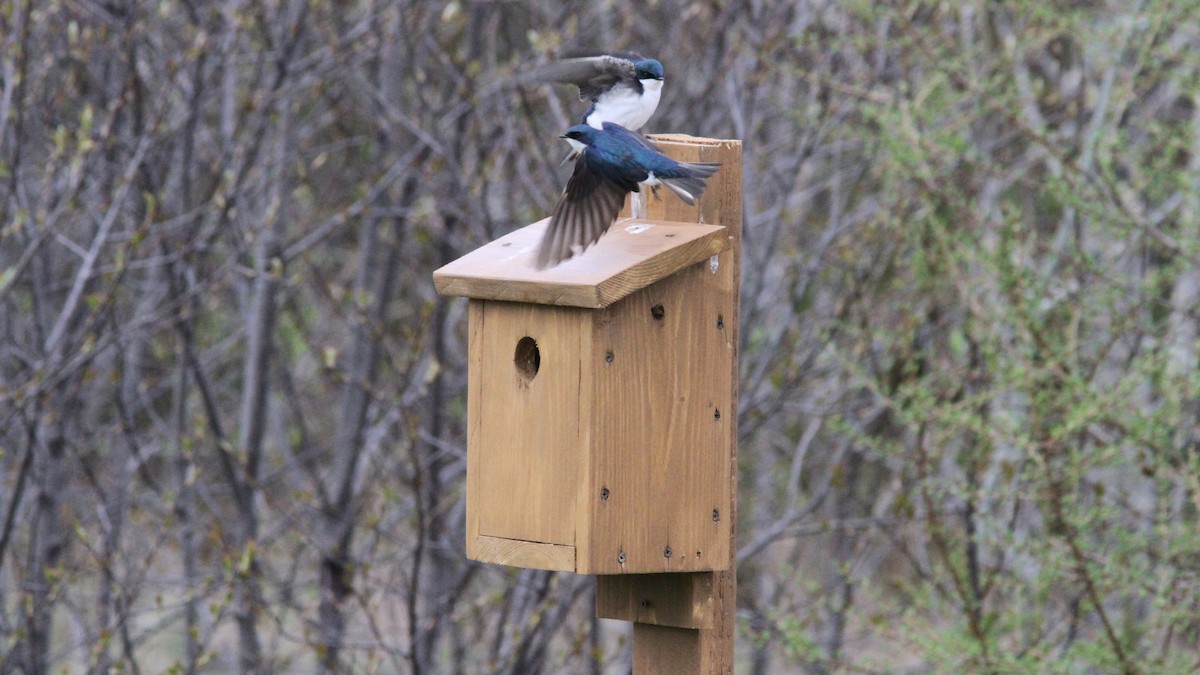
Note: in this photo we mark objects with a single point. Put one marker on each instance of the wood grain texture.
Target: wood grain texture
(633, 254)
(475, 339)
(725, 207)
(679, 600)
(527, 466)
(665, 650)
(531, 554)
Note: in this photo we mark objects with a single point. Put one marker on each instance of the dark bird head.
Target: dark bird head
(649, 69)
(582, 133)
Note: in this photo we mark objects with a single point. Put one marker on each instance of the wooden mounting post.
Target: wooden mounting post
(684, 622)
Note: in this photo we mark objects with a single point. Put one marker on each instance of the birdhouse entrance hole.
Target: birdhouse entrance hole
(527, 358)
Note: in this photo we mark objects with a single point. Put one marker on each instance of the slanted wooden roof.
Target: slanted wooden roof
(633, 254)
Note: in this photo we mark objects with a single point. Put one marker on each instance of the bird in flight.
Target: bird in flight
(623, 87)
(612, 162)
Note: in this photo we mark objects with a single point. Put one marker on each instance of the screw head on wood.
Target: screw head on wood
(604, 494)
(608, 356)
(658, 312)
(667, 552)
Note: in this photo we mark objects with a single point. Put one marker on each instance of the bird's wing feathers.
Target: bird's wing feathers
(632, 57)
(613, 163)
(592, 74)
(634, 136)
(585, 211)
(685, 179)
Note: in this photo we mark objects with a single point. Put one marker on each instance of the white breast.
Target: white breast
(626, 107)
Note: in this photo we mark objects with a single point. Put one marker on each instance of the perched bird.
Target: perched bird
(623, 87)
(611, 164)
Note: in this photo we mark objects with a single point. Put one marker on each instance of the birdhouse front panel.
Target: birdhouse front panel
(524, 441)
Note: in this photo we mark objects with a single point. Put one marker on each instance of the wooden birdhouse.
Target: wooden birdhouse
(601, 396)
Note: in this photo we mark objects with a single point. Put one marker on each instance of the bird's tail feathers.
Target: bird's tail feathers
(690, 187)
(701, 169)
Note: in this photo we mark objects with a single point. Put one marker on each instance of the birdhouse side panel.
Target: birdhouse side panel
(523, 446)
(662, 403)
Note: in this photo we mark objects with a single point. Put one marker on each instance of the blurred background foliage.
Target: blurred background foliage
(232, 407)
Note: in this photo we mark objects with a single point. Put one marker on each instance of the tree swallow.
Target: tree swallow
(612, 162)
(623, 87)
